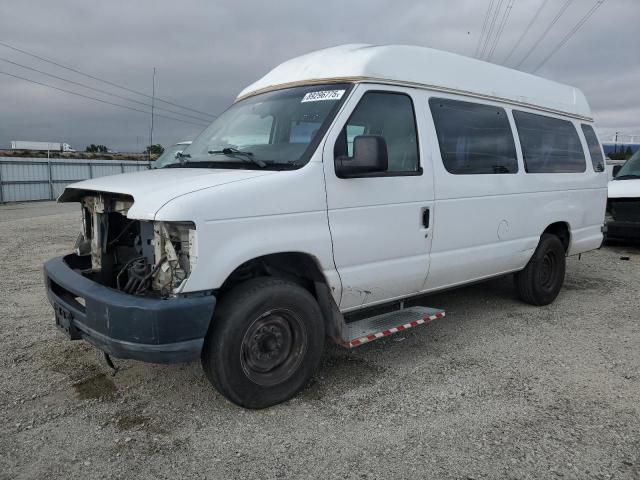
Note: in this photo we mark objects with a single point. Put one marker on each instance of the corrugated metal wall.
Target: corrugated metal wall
(26, 179)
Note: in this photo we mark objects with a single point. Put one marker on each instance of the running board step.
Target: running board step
(373, 328)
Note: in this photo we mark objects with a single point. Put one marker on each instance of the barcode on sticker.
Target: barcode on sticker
(323, 95)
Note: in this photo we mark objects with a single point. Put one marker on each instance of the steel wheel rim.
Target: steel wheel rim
(273, 347)
(549, 270)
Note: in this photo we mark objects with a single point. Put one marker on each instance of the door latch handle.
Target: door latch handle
(425, 218)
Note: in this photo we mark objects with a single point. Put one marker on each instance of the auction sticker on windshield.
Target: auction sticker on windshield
(323, 95)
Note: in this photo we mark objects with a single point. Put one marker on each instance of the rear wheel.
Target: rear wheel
(265, 342)
(541, 280)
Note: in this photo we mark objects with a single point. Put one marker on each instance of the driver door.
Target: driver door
(380, 222)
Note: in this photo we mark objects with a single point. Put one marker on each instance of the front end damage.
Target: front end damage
(123, 288)
(136, 257)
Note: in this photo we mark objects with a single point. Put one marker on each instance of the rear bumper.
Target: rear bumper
(618, 229)
(123, 325)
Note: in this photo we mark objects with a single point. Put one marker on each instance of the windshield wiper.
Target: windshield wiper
(234, 152)
(626, 177)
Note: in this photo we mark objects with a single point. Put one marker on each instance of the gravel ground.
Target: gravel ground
(497, 389)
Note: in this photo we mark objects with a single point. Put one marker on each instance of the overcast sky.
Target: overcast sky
(205, 52)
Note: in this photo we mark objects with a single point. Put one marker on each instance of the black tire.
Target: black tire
(265, 342)
(541, 280)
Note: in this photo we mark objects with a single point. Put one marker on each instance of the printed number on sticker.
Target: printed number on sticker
(323, 95)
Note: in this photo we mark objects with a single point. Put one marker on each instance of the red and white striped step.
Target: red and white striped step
(373, 328)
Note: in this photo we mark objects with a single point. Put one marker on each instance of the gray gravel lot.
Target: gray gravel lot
(497, 389)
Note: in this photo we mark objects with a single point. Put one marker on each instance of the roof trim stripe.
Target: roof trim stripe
(421, 86)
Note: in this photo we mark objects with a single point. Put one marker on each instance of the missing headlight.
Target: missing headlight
(175, 247)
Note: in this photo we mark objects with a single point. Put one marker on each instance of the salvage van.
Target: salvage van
(337, 187)
(623, 206)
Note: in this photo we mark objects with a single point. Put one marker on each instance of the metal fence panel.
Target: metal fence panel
(27, 179)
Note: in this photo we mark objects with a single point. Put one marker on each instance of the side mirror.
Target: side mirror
(369, 156)
(616, 169)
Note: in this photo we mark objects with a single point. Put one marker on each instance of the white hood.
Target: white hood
(624, 188)
(151, 189)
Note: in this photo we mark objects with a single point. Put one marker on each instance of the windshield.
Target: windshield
(278, 129)
(631, 168)
(169, 155)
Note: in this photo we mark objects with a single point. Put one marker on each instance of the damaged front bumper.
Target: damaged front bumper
(123, 325)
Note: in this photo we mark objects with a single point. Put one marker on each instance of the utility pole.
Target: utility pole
(153, 98)
(615, 144)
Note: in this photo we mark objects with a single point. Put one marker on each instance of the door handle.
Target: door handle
(425, 218)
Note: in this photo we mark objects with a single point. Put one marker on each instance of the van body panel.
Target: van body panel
(380, 245)
(238, 222)
(490, 223)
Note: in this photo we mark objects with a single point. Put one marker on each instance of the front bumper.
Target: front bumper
(618, 229)
(123, 325)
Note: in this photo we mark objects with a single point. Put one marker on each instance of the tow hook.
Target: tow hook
(110, 364)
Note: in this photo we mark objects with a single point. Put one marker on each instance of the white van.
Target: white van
(623, 206)
(339, 185)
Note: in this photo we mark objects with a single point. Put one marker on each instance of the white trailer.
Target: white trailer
(41, 146)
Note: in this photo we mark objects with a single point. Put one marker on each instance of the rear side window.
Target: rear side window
(473, 138)
(391, 116)
(549, 145)
(594, 148)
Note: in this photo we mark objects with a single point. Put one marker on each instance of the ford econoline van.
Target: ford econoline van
(338, 186)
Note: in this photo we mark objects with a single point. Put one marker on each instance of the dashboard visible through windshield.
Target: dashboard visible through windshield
(278, 129)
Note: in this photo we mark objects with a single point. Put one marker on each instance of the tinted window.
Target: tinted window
(473, 138)
(594, 148)
(549, 145)
(391, 116)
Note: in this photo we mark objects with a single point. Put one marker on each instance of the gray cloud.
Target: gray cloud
(206, 52)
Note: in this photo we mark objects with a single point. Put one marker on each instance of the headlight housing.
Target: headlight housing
(175, 255)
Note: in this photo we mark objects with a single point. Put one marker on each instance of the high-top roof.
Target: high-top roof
(423, 67)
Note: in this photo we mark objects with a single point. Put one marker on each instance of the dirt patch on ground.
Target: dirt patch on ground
(497, 389)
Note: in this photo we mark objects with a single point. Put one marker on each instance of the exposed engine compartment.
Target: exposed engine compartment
(137, 257)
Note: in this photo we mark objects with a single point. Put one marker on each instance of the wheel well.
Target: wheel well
(294, 266)
(560, 230)
(297, 267)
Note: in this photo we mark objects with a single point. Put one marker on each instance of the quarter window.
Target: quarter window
(549, 145)
(597, 159)
(473, 138)
(391, 116)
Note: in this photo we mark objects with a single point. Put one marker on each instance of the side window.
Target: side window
(391, 116)
(473, 138)
(594, 148)
(549, 145)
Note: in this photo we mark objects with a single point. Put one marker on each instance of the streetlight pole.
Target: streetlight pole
(153, 98)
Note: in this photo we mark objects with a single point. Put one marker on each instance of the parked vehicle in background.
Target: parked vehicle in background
(339, 185)
(613, 166)
(169, 154)
(623, 205)
(41, 146)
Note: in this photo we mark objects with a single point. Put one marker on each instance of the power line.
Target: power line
(484, 27)
(98, 99)
(113, 84)
(492, 24)
(84, 85)
(526, 30)
(546, 32)
(571, 33)
(503, 23)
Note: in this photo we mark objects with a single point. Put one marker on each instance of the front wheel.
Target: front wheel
(541, 280)
(265, 342)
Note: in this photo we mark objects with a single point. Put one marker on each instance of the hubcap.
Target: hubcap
(273, 347)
